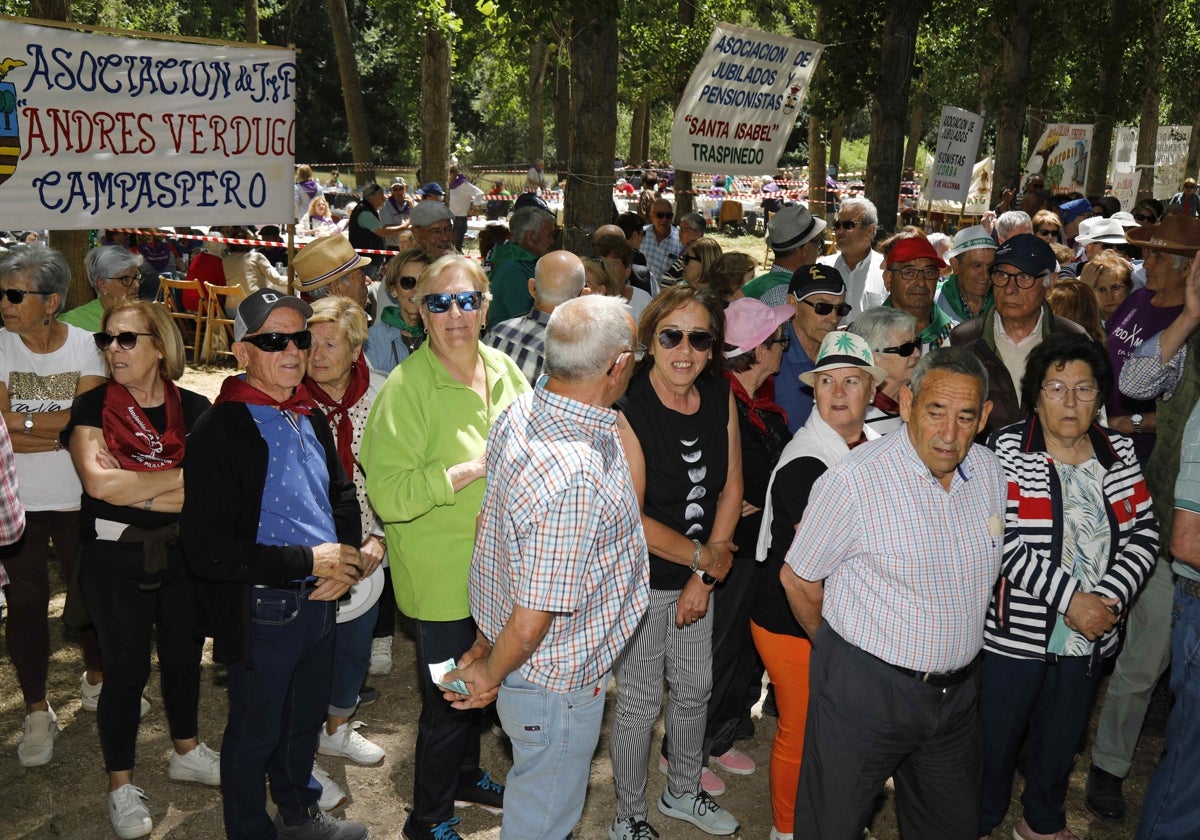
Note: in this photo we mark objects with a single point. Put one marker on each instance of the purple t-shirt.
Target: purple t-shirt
(1131, 323)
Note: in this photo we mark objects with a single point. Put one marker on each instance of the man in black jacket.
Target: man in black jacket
(272, 521)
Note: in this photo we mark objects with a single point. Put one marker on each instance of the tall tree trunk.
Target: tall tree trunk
(1014, 96)
(1151, 73)
(1111, 50)
(562, 113)
(835, 141)
(1191, 168)
(916, 130)
(638, 153)
(646, 131)
(588, 191)
(539, 57)
(356, 112)
(889, 107)
(435, 106)
(685, 201)
(72, 244)
(817, 198)
(251, 7)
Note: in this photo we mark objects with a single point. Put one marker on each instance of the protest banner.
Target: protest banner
(957, 145)
(1125, 188)
(1170, 156)
(1061, 157)
(741, 102)
(99, 130)
(978, 195)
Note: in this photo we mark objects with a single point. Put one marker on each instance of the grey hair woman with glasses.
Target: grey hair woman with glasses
(115, 274)
(892, 337)
(44, 365)
(423, 455)
(1080, 538)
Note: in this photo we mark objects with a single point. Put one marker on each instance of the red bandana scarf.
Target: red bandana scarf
(338, 411)
(237, 389)
(132, 438)
(764, 400)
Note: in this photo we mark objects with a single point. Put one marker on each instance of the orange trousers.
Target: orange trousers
(786, 659)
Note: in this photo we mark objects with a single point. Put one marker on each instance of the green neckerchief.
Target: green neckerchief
(392, 316)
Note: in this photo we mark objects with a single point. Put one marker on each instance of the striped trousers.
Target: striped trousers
(683, 655)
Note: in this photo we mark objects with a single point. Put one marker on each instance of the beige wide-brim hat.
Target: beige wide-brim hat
(1174, 234)
(324, 260)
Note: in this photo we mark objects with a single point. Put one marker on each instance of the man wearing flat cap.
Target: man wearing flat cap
(1018, 320)
(433, 229)
(396, 209)
(797, 239)
(272, 522)
(330, 267)
(817, 295)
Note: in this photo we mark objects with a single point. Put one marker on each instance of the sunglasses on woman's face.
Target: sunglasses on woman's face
(906, 349)
(17, 296)
(125, 340)
(467, 301)
(700, 340)
(278, 342)
(407, 283)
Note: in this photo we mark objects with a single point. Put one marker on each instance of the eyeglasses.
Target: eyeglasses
(1057, 391)
(1143, 217)
(906, 349)
(1001, 278)
(128, 280)
(407, 283)
(17, 296)
(688, 258)
(700, 340)
(440, 230)
(842, 309)
(637, 352)
(1111, 290)
(1051, 232)
(785, 340)
(278, 342)
(662, 215)
(125, 340)
(912, 272)
(467, 301)
(845, 224)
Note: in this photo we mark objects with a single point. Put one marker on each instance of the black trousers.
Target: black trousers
(734, 657)
(866, 722)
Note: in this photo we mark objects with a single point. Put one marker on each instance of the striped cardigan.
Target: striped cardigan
(1034, 587)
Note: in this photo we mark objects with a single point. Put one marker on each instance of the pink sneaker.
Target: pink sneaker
(735, 761)
(710, 782)
(1024, 832)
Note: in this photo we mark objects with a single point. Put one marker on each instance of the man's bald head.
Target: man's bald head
(607, 230)
(557, 278)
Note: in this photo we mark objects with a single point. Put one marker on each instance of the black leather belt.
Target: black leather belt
(939, 679)
(289, 585)
(1191, 587)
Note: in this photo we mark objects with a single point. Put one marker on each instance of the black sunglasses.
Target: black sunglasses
(17, 296)
(1142, 217)
(467, 301)
(785, 340)
(700, 340)
(822, 308)
(407, 283)
(278, 342)
(125, 340)
(906, 349)
(662, 215)
(1047, 232)
(688, 258)
(845, 224)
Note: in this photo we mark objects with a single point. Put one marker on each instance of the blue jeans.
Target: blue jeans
(351, 659)
(1172, 806)
(553, 738)
(277, 702)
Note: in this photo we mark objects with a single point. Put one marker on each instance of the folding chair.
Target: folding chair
(731, 215)
(171, 295)
(217, 322)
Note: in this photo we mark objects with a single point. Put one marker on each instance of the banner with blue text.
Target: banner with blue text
(741, 102)
(104, 131)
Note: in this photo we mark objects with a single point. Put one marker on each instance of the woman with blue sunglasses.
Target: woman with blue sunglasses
(423, 455)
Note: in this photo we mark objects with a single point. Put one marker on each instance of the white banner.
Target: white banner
(979, 195)
(101, 131)
(1061, 158)
(739, 107)
(1125, 187)
(957, 145)
(1170, 156)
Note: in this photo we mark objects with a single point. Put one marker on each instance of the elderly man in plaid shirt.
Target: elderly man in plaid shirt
(559, 579)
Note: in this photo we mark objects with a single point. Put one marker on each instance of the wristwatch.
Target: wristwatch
(1136, 420)
(28, 422)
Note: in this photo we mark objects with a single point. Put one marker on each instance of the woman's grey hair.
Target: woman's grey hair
(527, 220)
(954, 360)
(109, 261)
(585, 335)
(46, 267)
(875, 325)
(870, 216)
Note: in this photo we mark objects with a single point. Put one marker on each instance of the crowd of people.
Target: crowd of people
(931, 488)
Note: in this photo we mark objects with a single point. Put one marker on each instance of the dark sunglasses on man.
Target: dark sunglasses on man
(278, 342)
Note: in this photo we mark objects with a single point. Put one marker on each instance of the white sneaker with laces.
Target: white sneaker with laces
(345, 742)
(381, 656)
(332, 794)
(36, 746)
(90, 695)
(199, 764)
(776, 834)
(128, 812)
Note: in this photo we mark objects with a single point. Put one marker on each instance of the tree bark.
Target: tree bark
(638, 153)
(1014, 97)
(435, 106)
(251, 7)
(562, 114)
(1111, 50)
(817, 199)
(539, 57)
(916, 130)
(685, 201)
(588, 189)
(1192, 167)
(356, 112)
(1151, 73)
(835, 142)
(889, 108)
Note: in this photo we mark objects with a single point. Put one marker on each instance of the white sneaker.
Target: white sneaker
(199, 764)
(381, 656)
(345, 742)
(776, 834)
(36, 746)
(332, 794)
(128, 812)
(90, 695)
